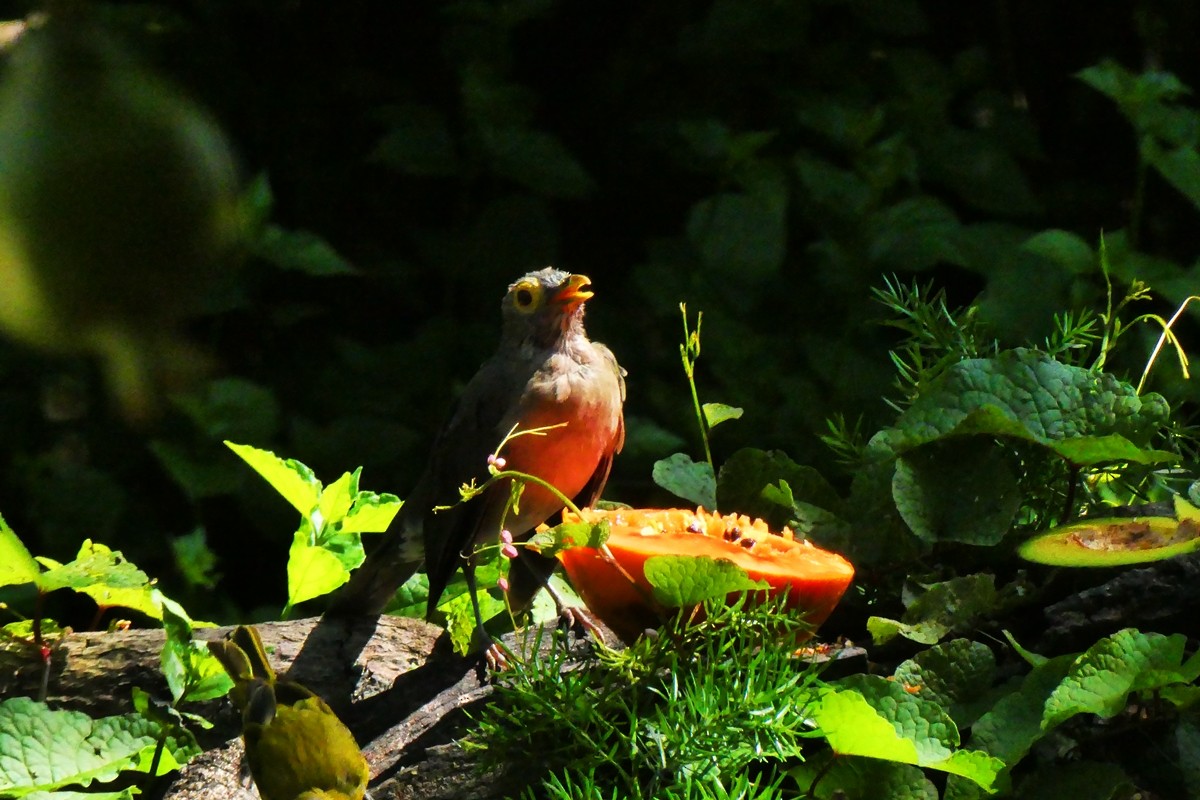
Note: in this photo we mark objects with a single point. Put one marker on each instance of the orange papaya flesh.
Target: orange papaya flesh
(812, 579)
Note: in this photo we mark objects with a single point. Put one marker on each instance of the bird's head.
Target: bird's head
(543, 306)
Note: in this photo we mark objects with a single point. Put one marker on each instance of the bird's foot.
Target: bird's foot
(579, 619)
(497, 657)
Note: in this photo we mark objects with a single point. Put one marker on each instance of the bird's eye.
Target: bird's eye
(525, 295)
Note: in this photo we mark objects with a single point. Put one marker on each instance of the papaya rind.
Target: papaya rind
(1056, 547)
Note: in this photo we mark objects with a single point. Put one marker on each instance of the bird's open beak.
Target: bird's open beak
(574, 292)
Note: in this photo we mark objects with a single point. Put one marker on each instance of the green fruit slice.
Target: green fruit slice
(1114, 541)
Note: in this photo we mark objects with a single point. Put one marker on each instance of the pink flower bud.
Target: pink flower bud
(506, 536)
(508, 551)
(496, 461)
(502, 583)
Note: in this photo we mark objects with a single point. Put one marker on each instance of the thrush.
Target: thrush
(545, 376)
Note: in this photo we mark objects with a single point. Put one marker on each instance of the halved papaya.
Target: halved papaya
(1113, 542)
(813, 579)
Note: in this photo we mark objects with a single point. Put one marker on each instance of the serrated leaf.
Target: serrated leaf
(312, 571)
(716, 413)
(192, 672)
(17, 565)
(681, 581)
(46, 749)
(460, 618)
(105, 576)
(943, 607)
(954, 674)
(960, 490)
(1101, 679)
(871, 716)
(296, 482)
(1084, 417)
(371, 513)
(682, 477)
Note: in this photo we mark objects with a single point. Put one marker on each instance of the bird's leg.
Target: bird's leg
(493, 653)
(530, 573)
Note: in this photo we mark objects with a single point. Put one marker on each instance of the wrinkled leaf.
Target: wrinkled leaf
(682, 477)
(1101, 679)
(944, 607)
(962, 490)
(690, 580)
(1085, 417)
(47, 749)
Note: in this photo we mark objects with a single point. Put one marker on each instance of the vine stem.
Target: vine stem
(605, 552)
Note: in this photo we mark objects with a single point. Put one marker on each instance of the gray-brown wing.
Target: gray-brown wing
(459, 456)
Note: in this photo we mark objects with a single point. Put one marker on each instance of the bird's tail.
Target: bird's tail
(374, 584)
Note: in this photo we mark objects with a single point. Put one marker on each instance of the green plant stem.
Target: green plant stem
(689, 352)
(568, 503)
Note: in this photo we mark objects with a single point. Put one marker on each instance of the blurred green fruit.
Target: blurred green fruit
(118, 204)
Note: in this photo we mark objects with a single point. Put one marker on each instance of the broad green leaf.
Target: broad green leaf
(1085, 417)
(716, 413)
(290, 478)
(690, 580)
(336, 499)
(954, 674)
(871, 716)
(853, 777)
(411, 598)
(682, 477)
(1014, 723)
(300, 251)
(371, 513)
(552, 541)
(17, 566)
(535, 159)
(1101, 679)
(192, 672)
(195, 560)
(45, 749)
(944, 607)
(127, 794)
(105, 576)
(312, 571)
(418, 142)
(747, 476)
(460, 618)
(742, 235)
(1067, 249)
(916, 233)
(961, 490)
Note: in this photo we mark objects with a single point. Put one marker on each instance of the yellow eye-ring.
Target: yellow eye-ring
(526, 296)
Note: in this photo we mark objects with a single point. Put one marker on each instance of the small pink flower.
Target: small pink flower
(506, 536)
(497, 461)
(502, 583)
(508, 551)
